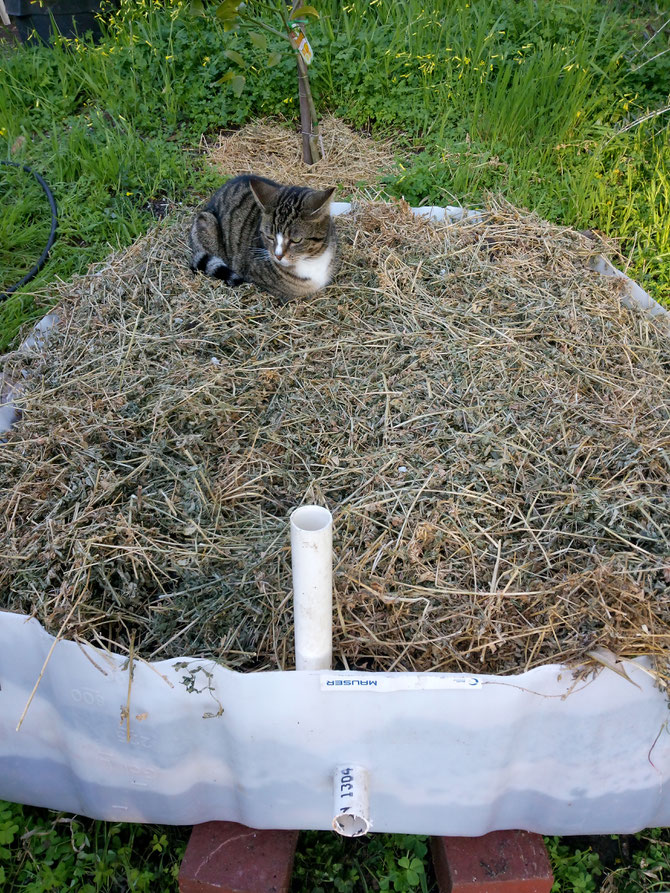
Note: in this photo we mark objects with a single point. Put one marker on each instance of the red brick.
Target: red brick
(224, 857)
(499, 862)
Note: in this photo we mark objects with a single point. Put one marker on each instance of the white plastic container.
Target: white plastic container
(444, 754)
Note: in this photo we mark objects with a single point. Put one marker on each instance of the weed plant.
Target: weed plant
(650, 869)
(638, 863)
(575, 870)
(41, 850)
(44, 851)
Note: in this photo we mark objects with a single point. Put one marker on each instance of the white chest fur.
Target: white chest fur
(316, 269)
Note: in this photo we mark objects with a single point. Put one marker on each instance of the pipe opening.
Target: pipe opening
(311, 518)
(349, 825)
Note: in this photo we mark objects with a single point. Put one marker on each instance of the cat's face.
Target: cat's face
(289, 243)
(295, 223)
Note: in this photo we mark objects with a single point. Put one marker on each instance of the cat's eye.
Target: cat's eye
(297, 241)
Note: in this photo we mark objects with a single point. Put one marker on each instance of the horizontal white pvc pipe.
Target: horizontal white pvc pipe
(351, 802)
(312, 561)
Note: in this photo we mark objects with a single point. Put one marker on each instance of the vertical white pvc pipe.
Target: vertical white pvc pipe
(312, 561)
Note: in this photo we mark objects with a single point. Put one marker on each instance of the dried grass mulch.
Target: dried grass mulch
(487, 422)
(270, 148)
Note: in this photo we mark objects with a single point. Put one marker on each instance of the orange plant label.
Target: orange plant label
(301, 44)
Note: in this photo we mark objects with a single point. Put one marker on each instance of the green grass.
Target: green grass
(104, 178)
(527, 99)
(24, 229)
(24, 225)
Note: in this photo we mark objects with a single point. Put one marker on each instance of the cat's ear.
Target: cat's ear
(263, 192)
(317, 201)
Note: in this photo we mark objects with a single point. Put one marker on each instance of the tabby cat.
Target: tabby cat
(281, 238)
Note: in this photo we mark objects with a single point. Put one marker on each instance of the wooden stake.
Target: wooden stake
(308, 125)
(305, 114)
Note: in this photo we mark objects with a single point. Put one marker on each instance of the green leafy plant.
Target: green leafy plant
(43, 851)
(325, 862)
(385, 862)
(575, 871)
(404, 863)
(252, 17)
(649, 871)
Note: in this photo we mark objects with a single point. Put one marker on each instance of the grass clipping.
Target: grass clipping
(270, 148)
(486, 421)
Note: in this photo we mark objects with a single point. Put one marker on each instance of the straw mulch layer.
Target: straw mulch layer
(488, 424)
(272, 149)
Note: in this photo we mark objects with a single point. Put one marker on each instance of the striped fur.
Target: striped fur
(280, 238)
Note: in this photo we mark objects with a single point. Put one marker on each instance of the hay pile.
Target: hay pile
(488, 424)
(272, 149)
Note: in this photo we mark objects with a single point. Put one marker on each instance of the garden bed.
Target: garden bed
(486, 420)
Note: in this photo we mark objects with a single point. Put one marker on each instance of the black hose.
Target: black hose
(52, 235)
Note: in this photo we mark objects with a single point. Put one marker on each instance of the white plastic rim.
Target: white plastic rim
(312, 564)
(351, 802)
(311, 519)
